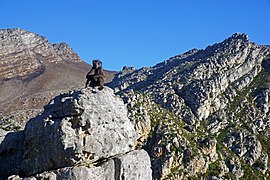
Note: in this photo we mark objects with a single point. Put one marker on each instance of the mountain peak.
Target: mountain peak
(241, 36)
(222, 92)
(23, 53)
(194, 69)
(66, 52)
(9, 30)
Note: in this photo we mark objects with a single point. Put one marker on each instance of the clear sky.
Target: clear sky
(137, 32)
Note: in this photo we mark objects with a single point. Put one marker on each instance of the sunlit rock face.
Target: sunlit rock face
(76, 131)
(208, 110)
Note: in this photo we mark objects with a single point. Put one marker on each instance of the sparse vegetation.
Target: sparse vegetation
(214, 169)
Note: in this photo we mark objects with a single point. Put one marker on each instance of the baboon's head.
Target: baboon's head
(96, 63)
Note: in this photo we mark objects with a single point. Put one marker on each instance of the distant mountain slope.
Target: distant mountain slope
(198, 77)
(218, 123)
(32, 70)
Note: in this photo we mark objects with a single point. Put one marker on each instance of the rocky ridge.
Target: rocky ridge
(83, 134)
(22, 53)
(208, 110)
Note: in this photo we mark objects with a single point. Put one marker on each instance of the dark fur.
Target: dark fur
(98, 78)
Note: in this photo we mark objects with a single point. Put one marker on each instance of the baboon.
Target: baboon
(98, 78)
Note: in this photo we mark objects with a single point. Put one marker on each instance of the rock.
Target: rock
(262, 163)
(133, 165)
(224, 168)
(78, 127)
(14, 177)
(125, 70)
(175, 142)
(11, 153)
(2, 134)
(66, 53)
(195, 79)
(80, 134)
(199, 165)
(137, 113)
(262, 101)
(244, 145)
(220, 91)
(235, 168)
(215, 178)
(208, 147)
(260, 125)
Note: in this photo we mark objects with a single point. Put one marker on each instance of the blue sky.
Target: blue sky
(137, 33)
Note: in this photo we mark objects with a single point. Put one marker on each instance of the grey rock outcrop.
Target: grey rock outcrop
(80, 133)
(79, 127)
(11, 153)
(194, 81)
(244, 145)
(221, 91)
(134, 165)
(139, 115)
(66, 53)
(235, 167)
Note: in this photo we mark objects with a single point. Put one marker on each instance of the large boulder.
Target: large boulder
(81, 134)
(77, 128)
(11, 152)
(134, 165)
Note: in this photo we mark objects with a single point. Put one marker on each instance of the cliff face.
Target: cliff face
(83, 134)
(218, 118)
(32, 71)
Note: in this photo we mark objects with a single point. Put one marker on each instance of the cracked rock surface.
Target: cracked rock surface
(87, 128)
